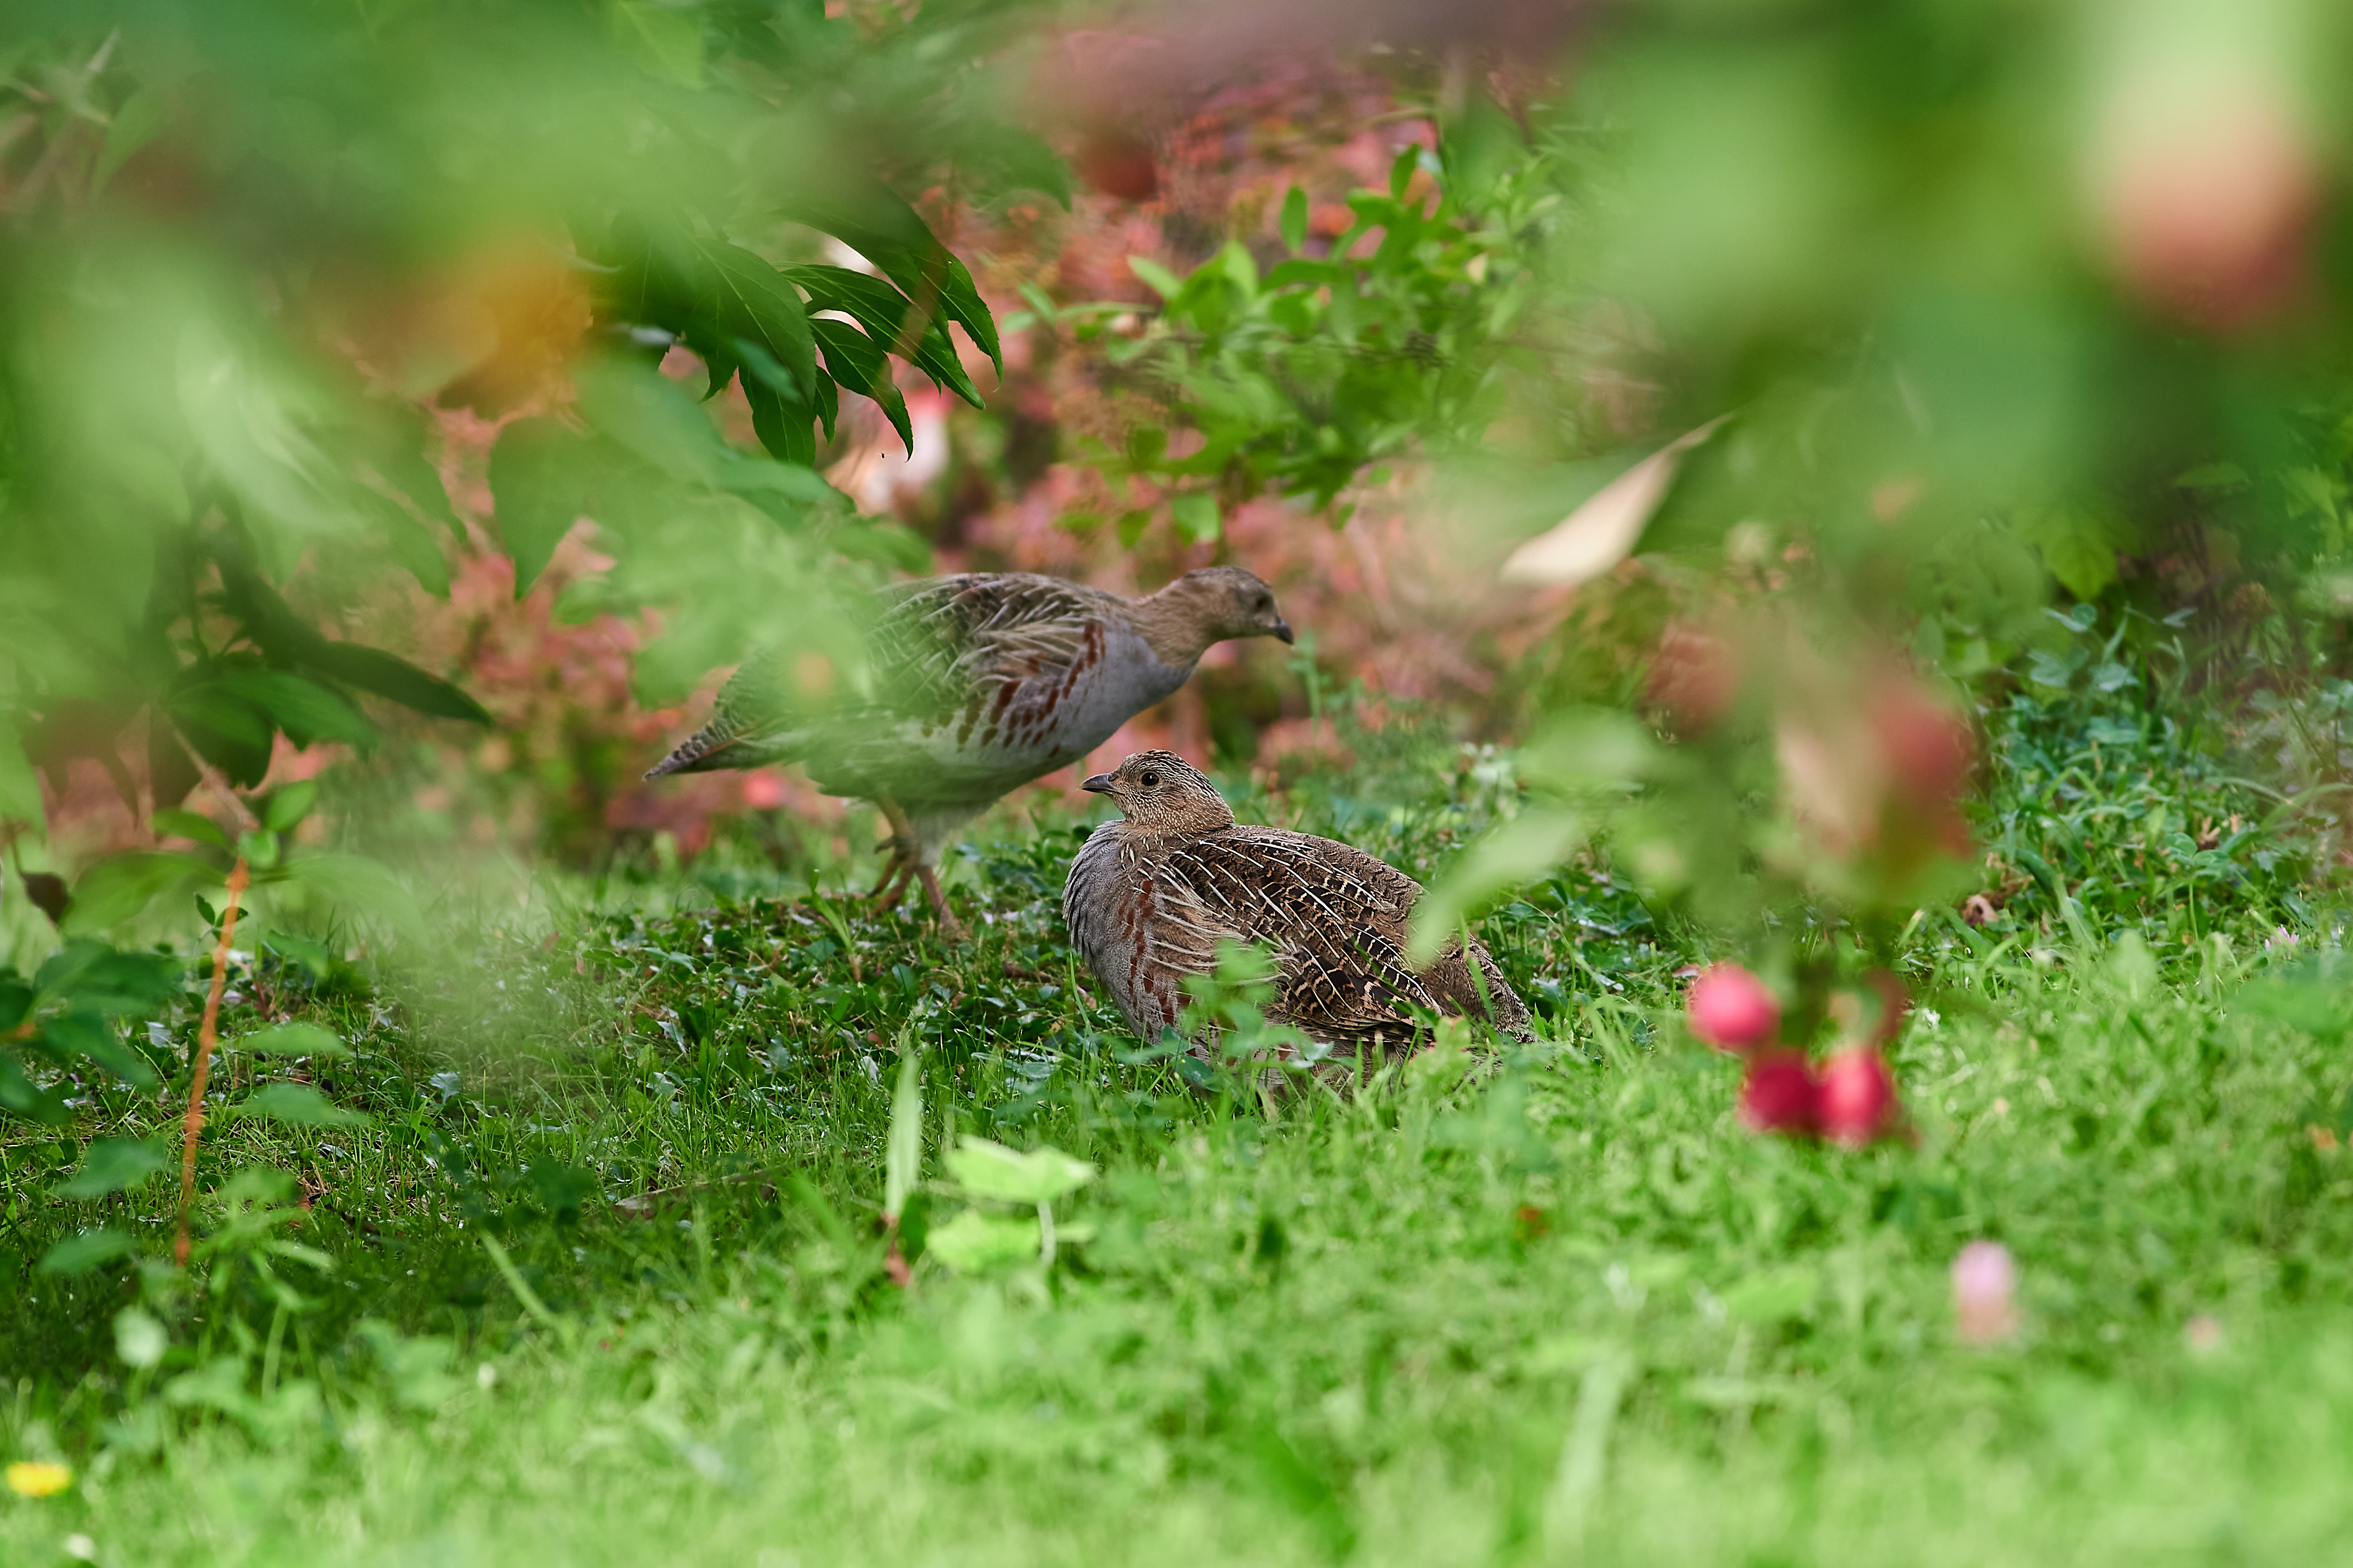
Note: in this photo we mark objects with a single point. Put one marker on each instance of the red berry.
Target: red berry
(1779, 1094)
(1857, 1097)
(1730, 1009)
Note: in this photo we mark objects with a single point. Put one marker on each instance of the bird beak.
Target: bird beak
(1282, 630)
(1098, 783)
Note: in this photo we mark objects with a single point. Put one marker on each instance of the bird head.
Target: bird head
(1213, 604)
(1161, 792)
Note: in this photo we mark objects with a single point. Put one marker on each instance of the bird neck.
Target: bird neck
(1174, 623)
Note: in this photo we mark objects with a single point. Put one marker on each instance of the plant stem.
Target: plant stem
(192, 1129)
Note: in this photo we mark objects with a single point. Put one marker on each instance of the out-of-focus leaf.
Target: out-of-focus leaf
(139, 1338)
(1294, 222)
(652, 417)
(1196, 516)
(1597, 535)
(1522, 849)
(666, 40)
(88, 1249)
(539, 481)
(362, 886)
(976, 1243)
(307, 711)
(1157, 278)
(383, 675)
(171, 774)
(993, 1171)
(46, 892)
(118, 889)
(105, 979)
(294, 1040)
(904, 1159)
(298, 1105)
(173, 822)
(288, 807)
(21, 1096)
(20, 792)
(113, 1165)
(83, 1033)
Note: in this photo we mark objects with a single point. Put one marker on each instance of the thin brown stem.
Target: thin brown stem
(192, 1129)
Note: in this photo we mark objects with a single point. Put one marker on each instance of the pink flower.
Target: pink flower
(764, 790)
(1857, 1097)
(1984, 1281)
(1730, 1009)
(1778, 1095)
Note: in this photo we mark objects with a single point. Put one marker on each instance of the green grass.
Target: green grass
(1550, 1305)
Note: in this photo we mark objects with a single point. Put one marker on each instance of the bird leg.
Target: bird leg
(893, 885)
(950, 926)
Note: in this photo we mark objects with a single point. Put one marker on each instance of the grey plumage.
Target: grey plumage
(1151, 896)
(974, 685)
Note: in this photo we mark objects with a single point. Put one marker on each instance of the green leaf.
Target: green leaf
(1294, 221)
(856, 363)
(666, 40)
(1774, 1294)
(298, 1105)
(976, 1243)
(1155, 277)
(22, 1097)
(877, 223)
(173, 822)
(118, 889)
(538, 486)
(86, 1033)
(114, 1166)
(904, 1159)
(1402, 171)
(993, 1171)
(306, 711)
(1196, 515)
(288, 807)
(383, 675)
(20, 792)
(881, 311)
(1528, 846)
(88, 1249)
(755, 301)
(360, 885)
(294, 1040)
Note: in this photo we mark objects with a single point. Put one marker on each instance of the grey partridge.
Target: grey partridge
(980, 683)
(1151, 896)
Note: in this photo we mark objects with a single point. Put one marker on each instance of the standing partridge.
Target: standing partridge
(980, 683)
(1152, 895)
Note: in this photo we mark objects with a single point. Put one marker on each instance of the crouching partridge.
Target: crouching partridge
(981, 683)
(1152, 895)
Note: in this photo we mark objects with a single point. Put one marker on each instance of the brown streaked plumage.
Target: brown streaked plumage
(1152, 895)
(979, 683)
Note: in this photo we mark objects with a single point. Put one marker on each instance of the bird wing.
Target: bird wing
(940, 646)
(1334, 916)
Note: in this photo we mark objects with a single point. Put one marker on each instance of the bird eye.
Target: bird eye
(1150, 779)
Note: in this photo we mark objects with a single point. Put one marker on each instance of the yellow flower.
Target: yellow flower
(36, 1478)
